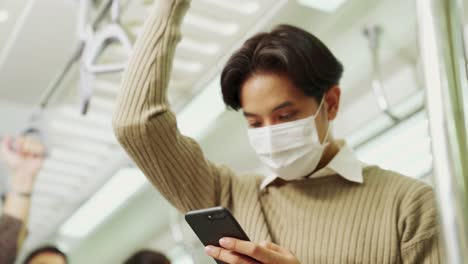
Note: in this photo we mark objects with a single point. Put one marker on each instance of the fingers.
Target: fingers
(239, 251)
(18, 145)
(228, 256)
(29, 147)
(274, 247)
(258, 252)
(24, 146)
(287, 256)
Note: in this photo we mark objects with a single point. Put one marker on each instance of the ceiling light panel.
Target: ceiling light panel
(125, 183)
(93, 117)
(106, 87)
(69, 156)
(73, 169)
(324, 5)
(83, 146)
(193, 45)
(58, 180)
(186, 66)
(244, 7)
(3, 15)
(103, 104)
(211, 25)
(78, 130)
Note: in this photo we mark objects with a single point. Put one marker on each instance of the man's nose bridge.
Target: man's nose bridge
(268, 121)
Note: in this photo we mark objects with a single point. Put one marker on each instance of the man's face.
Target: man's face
(270, 99)
(47, 258)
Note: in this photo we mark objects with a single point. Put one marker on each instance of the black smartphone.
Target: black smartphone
(212, 224)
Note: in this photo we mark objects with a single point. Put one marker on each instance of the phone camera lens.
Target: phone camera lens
(219, 215)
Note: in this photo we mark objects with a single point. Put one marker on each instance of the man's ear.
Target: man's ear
(332, 100)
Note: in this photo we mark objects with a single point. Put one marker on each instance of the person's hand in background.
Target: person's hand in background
(24, 157)
(245, 252)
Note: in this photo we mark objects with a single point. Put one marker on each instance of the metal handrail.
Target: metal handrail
(77, 52)
(94, 47)
(110, 33)
(446, 81)
(373, 34)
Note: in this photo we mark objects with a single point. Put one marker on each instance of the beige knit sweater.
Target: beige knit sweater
(388, 219)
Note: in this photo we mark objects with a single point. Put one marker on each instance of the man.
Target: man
(46, 255)
(319, 205)
(23, 157)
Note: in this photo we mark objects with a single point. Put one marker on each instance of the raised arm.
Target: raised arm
(147, 128)
(24, 163)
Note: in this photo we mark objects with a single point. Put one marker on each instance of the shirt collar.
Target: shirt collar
(345, 163)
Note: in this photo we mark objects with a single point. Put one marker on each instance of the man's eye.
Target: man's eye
(286, 116)
(254, 124)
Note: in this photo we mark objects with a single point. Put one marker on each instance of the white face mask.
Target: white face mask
(291, 150)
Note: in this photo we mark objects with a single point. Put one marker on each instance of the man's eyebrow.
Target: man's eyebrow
(282, 105)
(247, 114)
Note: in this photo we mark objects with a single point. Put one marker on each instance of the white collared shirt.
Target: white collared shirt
(345, 163)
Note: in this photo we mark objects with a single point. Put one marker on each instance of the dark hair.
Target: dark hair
(288, 50)
(147, 257)
(45, 249)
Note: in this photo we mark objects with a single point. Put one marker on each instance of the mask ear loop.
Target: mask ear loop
(325, 143)
(319, 108)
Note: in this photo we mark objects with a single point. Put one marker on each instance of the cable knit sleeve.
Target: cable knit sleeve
(147, 128)
(418, 226)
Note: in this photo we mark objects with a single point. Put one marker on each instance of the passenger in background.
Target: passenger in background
(23, 157)
(46, 255)
(147, 257)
